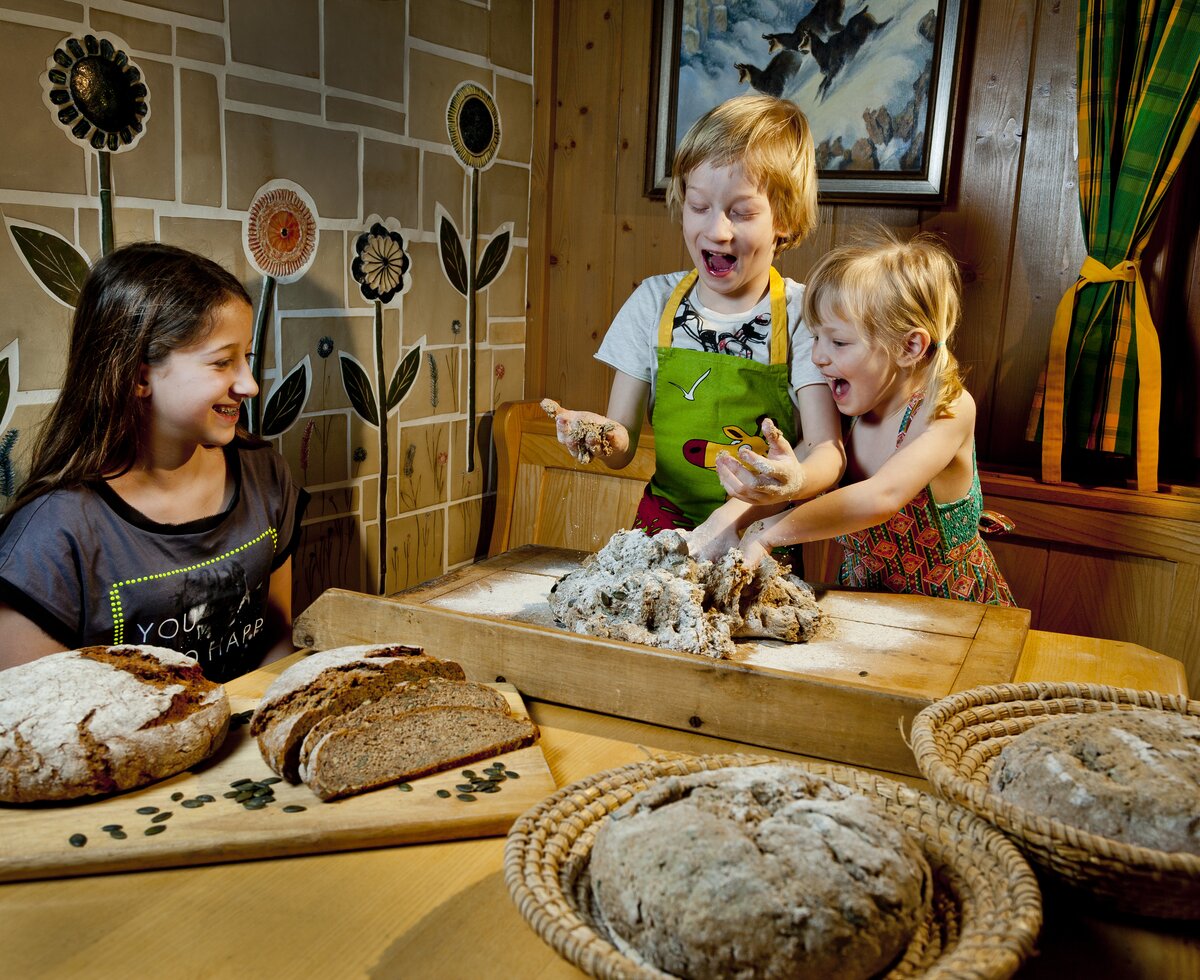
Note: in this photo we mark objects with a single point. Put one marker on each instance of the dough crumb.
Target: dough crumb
(649, 590)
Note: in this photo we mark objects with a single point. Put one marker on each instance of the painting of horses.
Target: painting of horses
(876, 80)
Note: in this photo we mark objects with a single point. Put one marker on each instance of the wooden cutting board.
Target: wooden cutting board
(846, 695)
(35, 839)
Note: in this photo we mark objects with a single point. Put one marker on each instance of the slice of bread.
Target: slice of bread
(427, 693)
(104, 719)
(378, 748)
(330, 683)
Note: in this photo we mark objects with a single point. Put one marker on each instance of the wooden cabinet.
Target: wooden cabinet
(1114, 564)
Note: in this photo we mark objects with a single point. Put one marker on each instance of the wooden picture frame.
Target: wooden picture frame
(879, 86)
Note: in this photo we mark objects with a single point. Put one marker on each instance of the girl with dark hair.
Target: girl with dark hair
(149, 516)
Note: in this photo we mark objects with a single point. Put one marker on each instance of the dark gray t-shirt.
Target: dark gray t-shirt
(89, 569)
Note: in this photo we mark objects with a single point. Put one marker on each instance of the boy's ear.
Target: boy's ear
(916, 343)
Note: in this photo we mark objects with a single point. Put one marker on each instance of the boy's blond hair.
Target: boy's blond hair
(770, 138)
(887, 287)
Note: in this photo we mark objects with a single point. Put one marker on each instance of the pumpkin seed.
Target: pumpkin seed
(108, 828)
(205, 798)
(191, 804)
(160, 817)
(241, 782)
(512, 775)
(466, 797)
(489, 789)
(444, 794)
(469, 773)
(77, 840)
(465, 787)
(158, 828)
(294, 808)
(263, 791)
(405, 787)
(146, 810)
(269, 781)
(241, 796)
(118, 834)
(255, 804)
(176, 797)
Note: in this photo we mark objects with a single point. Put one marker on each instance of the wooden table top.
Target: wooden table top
(442, 910)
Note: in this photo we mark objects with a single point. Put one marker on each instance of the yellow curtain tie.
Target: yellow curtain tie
(1149, 373)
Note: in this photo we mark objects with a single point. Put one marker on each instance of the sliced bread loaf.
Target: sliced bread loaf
(330, 683)
(377, 751)
(103, 719)
(427, 693)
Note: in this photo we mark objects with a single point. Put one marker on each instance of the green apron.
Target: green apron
(704, 403)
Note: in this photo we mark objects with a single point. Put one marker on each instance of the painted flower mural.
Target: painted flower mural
(380, 267)
(97, 96)
(96, 92)
(473, 125)
(280, 235)
(281, 231)
(380, 261)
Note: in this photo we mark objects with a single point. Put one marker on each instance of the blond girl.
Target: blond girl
(882, 314)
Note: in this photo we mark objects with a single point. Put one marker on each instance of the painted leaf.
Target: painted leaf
(454, 262)
(494, 258)
(56, 264)
(402, 380)
(358, 389)
(5, 386)
(286, 401)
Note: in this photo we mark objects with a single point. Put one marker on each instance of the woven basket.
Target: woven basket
(986, 909)
(956, 739)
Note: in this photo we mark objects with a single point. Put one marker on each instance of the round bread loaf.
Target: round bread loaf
(1131, 776)
(764, 871)
(103, 719)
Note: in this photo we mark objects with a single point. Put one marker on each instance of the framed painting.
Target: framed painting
(877, 82)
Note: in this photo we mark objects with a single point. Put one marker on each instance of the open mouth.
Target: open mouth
(839, 386)
(719, 263)
(230, 412)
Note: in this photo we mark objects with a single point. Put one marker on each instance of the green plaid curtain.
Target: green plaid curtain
(1139, 106)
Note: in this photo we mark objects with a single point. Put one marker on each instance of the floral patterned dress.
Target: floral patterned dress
(927, 548)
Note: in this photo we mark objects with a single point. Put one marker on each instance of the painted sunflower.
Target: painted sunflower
(96, 93)
(381, 264)
(474, 125)
(280, 233)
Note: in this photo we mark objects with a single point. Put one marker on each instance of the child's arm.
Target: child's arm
(814, 465)
(279, 614)
(22, 640)
(873, 500)
(626, 408)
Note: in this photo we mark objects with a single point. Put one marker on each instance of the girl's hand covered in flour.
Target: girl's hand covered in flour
(758, 480)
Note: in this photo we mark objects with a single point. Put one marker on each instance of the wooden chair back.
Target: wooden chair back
(544, 496)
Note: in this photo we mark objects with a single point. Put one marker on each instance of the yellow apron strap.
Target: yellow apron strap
(779, 319)
(1149, 374)
(666, 322)
(779, 338)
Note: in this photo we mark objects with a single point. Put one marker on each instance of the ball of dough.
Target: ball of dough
(764, 871)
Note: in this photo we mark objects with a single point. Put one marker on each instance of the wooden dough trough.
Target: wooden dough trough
(848, 695)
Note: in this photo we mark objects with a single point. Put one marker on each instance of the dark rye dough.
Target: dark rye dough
(104, 719)
(333, 682)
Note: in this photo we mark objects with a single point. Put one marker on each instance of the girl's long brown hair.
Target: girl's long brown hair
(138, 303)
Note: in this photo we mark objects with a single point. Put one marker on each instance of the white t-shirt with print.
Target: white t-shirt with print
(631, 343)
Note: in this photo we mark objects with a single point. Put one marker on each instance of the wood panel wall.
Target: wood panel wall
(1012, 221)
